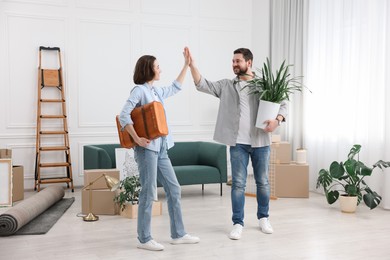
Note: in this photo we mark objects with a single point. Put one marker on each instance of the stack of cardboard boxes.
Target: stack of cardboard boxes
(102, 197)
(290, 179)
(17, 176)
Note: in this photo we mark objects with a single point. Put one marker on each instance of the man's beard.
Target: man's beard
(239, 71)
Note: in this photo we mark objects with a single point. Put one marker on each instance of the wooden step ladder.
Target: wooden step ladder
(53, 160)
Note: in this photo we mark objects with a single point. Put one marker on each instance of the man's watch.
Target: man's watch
(279, 120)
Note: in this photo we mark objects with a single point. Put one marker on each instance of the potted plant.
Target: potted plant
(128, 198)
(348, 178)
(272, 90)
(129, 187)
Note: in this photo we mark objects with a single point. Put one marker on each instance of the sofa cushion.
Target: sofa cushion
(197, 174)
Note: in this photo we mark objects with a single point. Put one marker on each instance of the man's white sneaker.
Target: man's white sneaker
(236, 232)
(265, 226)
(151, 245)
(186, 239)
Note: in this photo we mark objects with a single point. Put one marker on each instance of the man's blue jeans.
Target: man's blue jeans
(239, 158)
(152, 166)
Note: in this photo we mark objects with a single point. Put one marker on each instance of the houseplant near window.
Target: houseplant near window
(272, 90)
(348, 177)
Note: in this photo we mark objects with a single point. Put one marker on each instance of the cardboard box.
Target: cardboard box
(280, 153)
(17, 183)
(5, 182)
(131, 211)
(102, 202)
(94, 175)
(5, 154)
(275, 138)
(291, 180)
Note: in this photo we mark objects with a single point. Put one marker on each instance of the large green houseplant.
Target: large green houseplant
(130, 188)
(348, 178)
(272, 89)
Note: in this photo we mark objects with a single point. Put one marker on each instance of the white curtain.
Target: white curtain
(348, 70)
(342, 48)
(288, 19)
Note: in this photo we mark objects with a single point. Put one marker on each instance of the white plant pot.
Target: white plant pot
(348, 204)
(266, 111)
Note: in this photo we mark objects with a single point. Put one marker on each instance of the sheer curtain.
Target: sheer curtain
(288, 19)
(342, 48)
(348, 70)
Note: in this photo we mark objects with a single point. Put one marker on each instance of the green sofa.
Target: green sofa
(193, 162)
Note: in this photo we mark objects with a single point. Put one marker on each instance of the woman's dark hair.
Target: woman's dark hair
(144, 69)
(246, 53)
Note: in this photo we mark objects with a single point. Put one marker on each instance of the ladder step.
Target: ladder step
(59, 164)
(52, 116)
(50, 77)
(53, 100)
(54, 148)
(55, 180)
(53, 132)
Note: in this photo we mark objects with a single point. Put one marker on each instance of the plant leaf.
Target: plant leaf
(354, 150)
(371, 199)
(336, 170)
(381, 164)
(324, 179)
(365, 171)
(332, 196)
(351, 190)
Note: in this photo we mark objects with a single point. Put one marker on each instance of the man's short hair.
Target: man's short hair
(246, 53)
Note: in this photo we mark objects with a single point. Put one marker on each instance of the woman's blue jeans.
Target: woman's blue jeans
(239, 158)
(152, 166)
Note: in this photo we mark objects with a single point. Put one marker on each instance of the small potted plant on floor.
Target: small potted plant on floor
(128, 198)
(348, 178)
(272, 90)
(130, 187)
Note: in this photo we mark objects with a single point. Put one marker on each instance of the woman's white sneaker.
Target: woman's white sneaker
(236, 232)
(186, 239)
(151, 245)
(265, 226)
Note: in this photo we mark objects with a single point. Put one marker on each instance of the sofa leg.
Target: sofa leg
(202, 188)
(221, 188)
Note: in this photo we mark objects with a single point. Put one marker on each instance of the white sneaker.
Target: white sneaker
(265, 226)
(236, 232)
(151, 245)
(186, 239)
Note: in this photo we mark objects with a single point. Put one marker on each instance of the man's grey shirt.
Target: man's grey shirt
(226, 128)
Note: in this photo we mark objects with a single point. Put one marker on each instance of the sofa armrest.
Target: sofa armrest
(214, 154)
(96, 158)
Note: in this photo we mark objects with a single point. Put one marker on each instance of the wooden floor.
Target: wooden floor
(304, 229)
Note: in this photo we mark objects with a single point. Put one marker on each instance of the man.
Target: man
(235, 127)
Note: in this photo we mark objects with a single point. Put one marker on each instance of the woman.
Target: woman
(152, 157)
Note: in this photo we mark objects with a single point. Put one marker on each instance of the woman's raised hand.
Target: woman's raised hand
(187, 56)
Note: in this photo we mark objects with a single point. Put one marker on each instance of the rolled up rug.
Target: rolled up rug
(21, 214)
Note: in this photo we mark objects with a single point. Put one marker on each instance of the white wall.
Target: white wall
(100, 42)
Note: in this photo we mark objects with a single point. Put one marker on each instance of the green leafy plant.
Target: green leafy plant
(274, 88)
(130, 188)
(348, 177)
